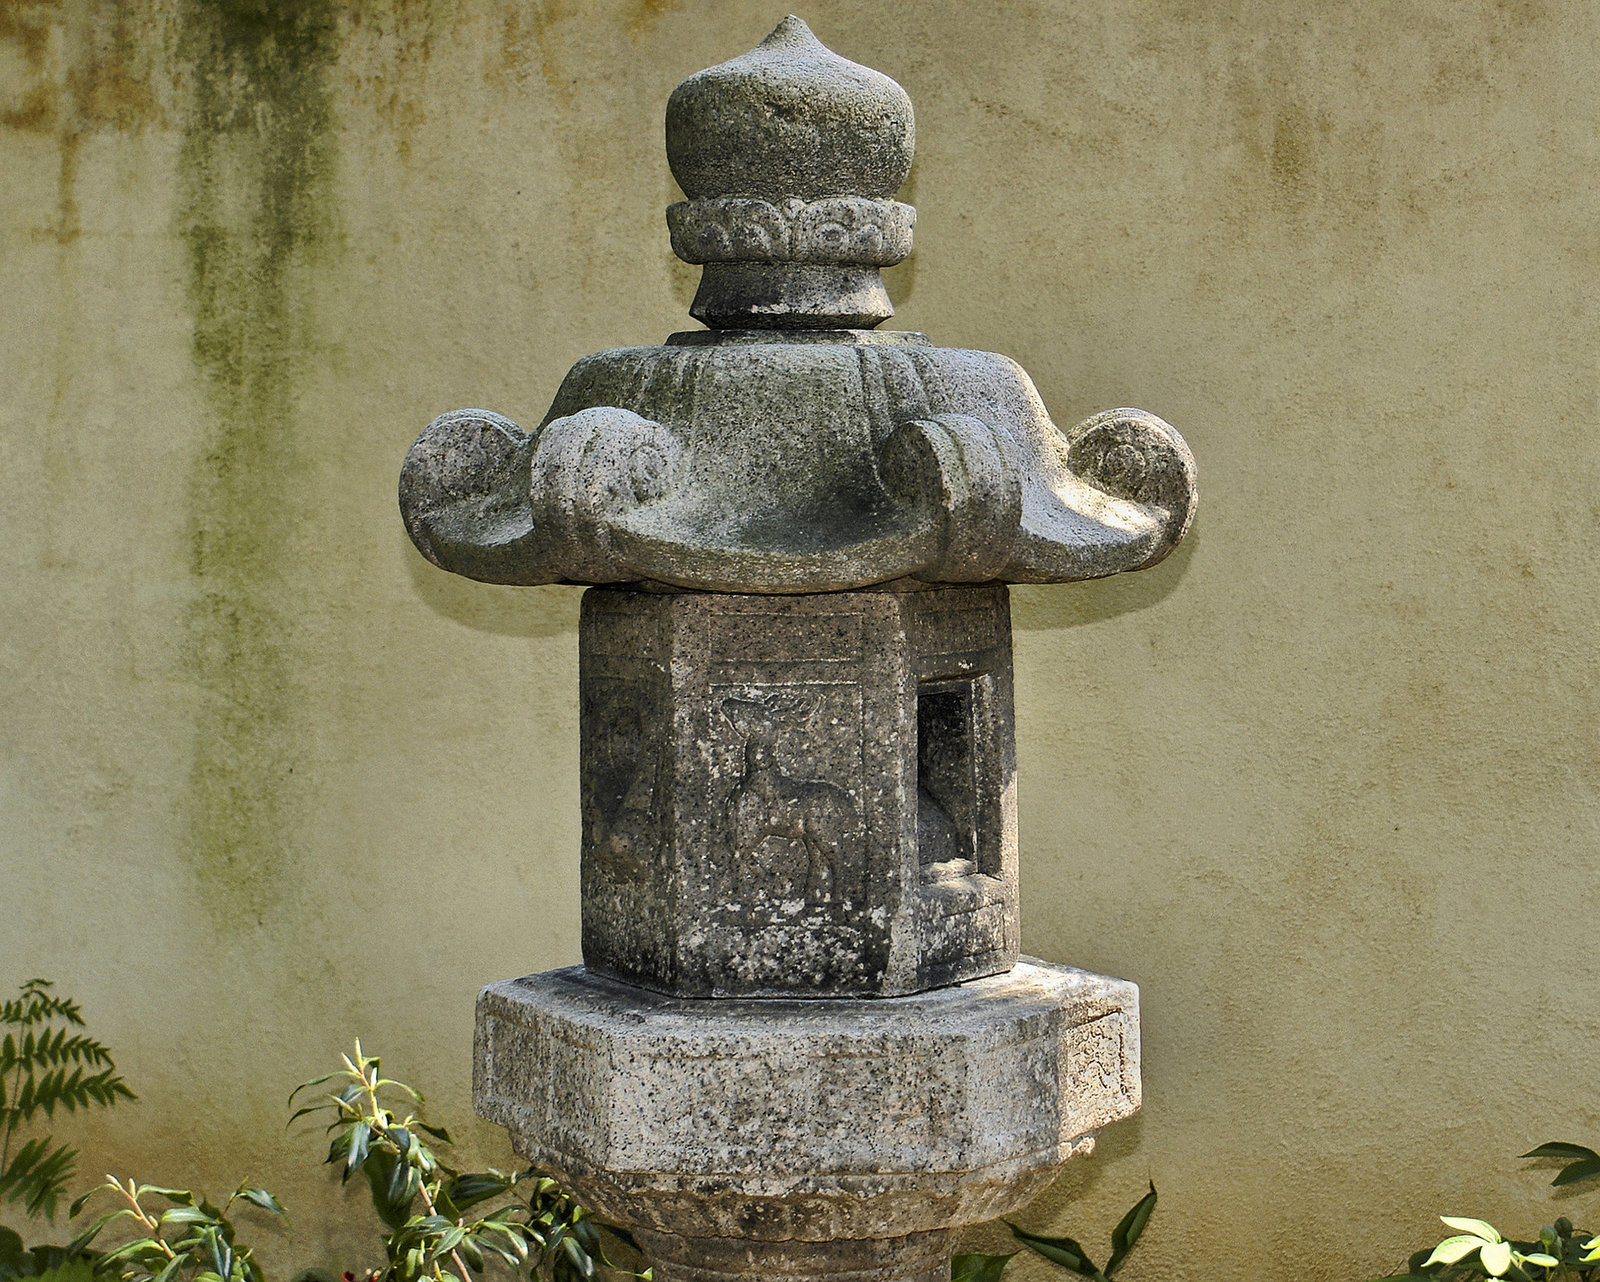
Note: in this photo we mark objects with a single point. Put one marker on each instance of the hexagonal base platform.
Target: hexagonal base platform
(845, 1122)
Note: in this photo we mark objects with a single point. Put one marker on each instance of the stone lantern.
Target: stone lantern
(802, 1043)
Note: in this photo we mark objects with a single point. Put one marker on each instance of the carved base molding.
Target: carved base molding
(846, 1136)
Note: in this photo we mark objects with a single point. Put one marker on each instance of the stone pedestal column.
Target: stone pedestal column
(802, 1044)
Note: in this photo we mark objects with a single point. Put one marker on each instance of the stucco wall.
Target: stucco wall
(1324, 783)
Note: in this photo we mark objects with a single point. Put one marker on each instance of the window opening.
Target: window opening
(947, 780)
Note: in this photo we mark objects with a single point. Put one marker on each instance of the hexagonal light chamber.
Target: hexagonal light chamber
(798, 795)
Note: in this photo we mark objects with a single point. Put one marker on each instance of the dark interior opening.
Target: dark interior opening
(947, 781)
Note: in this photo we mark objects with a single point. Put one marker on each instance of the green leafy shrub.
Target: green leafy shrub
(424, 1202)
(1062, 1251)
(1477, 1251)
(46, 1065)
(435, 1228)
(48, 1263)
(189, 1241)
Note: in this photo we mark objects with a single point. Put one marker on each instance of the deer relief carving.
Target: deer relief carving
(768, 802)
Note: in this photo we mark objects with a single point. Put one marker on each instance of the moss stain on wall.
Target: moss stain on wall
(28, 102)
(642, 15)
(255, 167)
(528, 33)
(392, 79)
(77, 70)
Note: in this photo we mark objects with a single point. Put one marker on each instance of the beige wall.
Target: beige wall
(1324, 783)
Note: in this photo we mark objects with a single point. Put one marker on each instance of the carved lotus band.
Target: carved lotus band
(843, 230)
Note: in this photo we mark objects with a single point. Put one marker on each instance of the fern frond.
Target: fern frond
(38, 1176)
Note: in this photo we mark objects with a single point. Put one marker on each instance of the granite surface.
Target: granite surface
(775, 1120)
(795, 465)
(787, 450)
(798, 796)
(803, 1047)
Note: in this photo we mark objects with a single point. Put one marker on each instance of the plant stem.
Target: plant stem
(131, 1193)
(427, 1199)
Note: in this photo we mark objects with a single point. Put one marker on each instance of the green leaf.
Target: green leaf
(261, 1198)
(377, 1169)
(973, 1267)
(512, 1255)
(468, 1250)
(56, 1259)
(1495, 1258)
(398, 1175)
(1058, 1250)
(469, 1190)
(78, 1203)
(357, 1148)
(185, 1215)
(137, 1246)
(1478, 1228)
(183, 1197)
(66, 1269)
(1455, 1249)
(93, 1231)
(580, 1259)
(1129, 1229)
(314, 1082)
(15, 1261)
(1559, 1148)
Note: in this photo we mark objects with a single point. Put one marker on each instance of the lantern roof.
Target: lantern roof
(792, 446)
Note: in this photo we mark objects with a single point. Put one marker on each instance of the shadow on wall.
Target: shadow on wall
(492, 607)
(1035, 611)
(553, 611)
